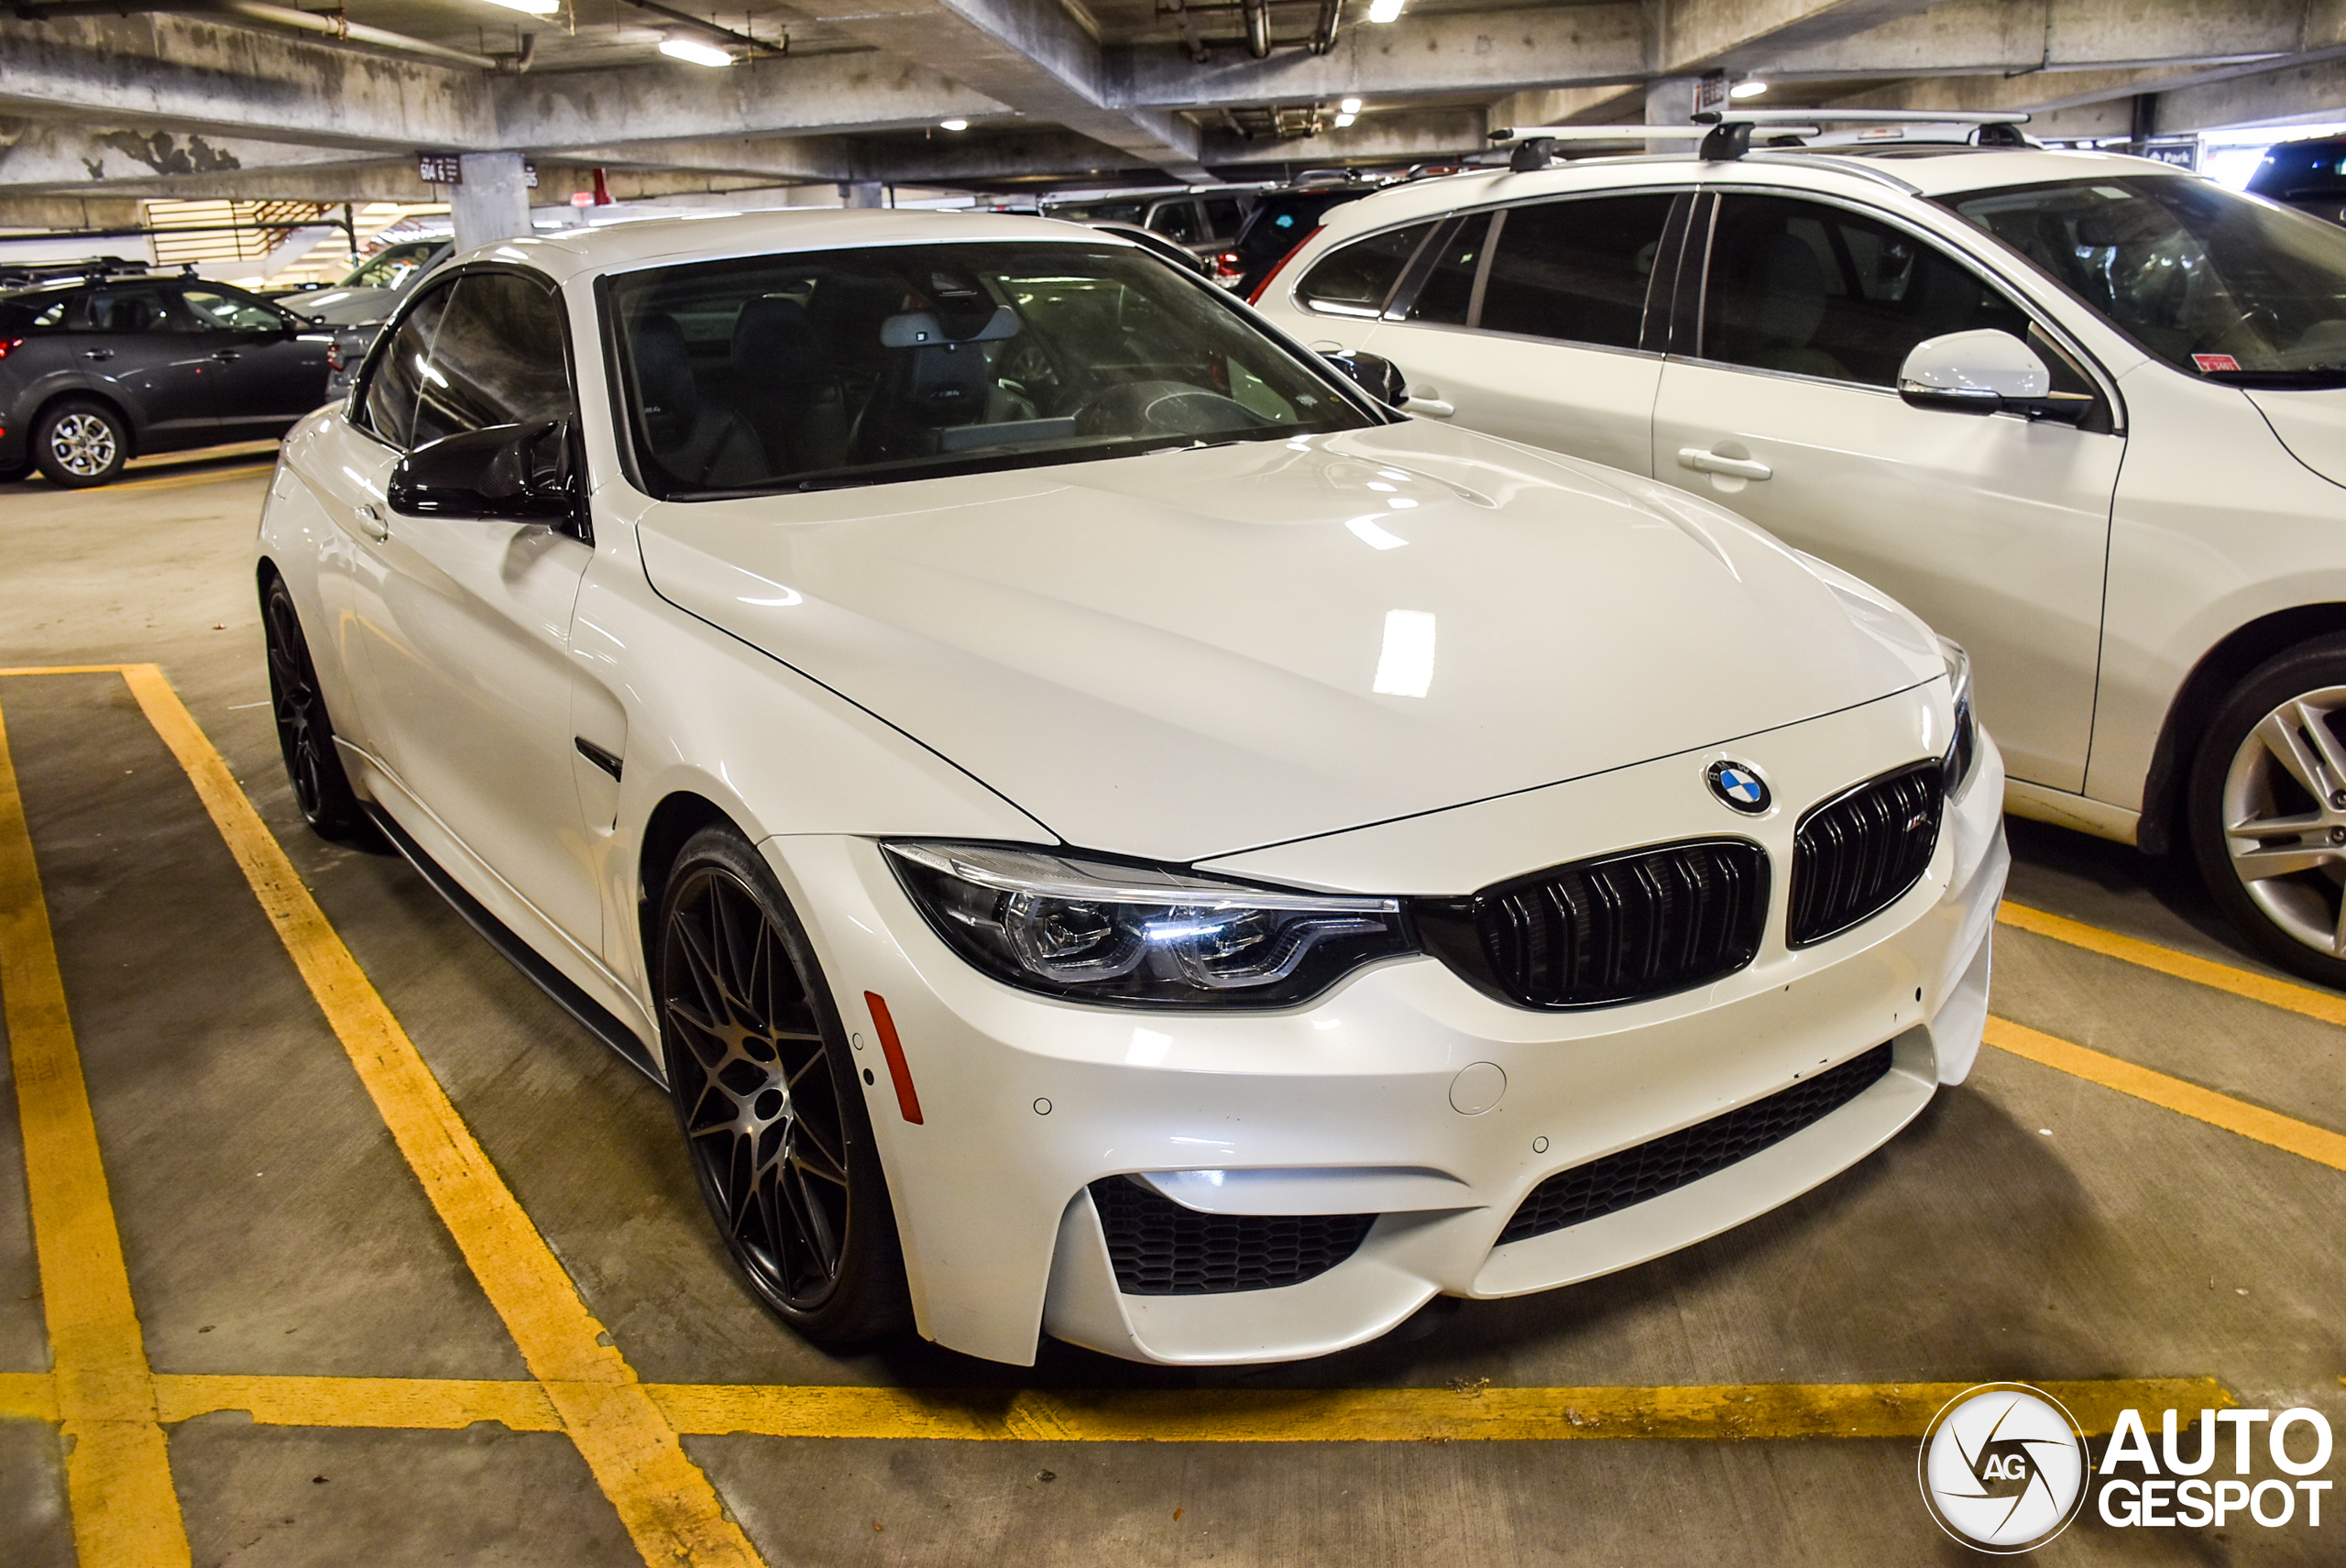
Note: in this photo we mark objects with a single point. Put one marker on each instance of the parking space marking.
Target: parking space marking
(2327, 1006)
(1465, 1412)
(2317, 1144)
(117, 1473)
(663, 1499)
(27, 1397)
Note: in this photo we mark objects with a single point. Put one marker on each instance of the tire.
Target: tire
(80, 441)
(2275, 760)
(304, 733)
(766, 1093)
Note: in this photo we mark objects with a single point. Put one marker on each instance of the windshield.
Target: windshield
(392, 268)
(852, 366)
(1131, 211)
(2215, 284)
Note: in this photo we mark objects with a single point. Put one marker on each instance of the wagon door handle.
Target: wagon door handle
(1703, 462)
(226, 355)
(371, 524)
(97, 353)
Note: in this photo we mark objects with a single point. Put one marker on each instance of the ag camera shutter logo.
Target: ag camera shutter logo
(2003, 1467)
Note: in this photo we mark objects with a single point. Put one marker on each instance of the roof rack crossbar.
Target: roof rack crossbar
(1775, 118)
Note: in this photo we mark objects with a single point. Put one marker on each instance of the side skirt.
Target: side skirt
(600, 1021)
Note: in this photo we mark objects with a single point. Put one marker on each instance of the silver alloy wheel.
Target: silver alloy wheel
(2284, 817)
(83, 443)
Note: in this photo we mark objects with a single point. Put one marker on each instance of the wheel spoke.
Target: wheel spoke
(2288, 748)
(2313, 723)
(2275, 826)
(2257, 864)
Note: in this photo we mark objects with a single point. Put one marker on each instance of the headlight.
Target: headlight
(1093, 931)
(1963, 751)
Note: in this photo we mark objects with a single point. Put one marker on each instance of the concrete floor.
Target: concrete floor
(2030, 1225)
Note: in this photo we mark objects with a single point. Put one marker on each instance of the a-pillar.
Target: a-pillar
(492, 203)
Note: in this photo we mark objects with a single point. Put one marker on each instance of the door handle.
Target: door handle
(227, 354)
(371, 524)
(97, 353)
(1433, 406)
(1703, 462)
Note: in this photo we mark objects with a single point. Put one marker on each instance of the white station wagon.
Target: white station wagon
(2084, 413)
(1100, 827)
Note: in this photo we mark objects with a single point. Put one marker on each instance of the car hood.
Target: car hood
(1188, 653)
(2312, 425)
(349, 307)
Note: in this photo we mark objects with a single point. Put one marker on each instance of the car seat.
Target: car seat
(785, 390)
(694, 443)
(1777, 308)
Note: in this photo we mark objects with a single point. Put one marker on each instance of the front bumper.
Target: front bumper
(1372, 1100)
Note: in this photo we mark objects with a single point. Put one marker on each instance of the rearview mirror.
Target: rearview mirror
(1371, 373)
(1985, 372)
(518, 471)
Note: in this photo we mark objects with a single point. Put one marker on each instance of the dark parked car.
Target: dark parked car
(2307, 175)
(1282, 220)
(103, 365)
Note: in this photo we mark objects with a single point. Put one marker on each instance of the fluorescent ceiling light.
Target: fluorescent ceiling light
(954, 125)
(1350, 106)
(1343, 120)
(535, 7)
(1747, 90)
(694, 51)
(1383, 11)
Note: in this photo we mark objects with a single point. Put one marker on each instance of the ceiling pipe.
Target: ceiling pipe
(331, 25)
(1323, 36)
(1258, 28)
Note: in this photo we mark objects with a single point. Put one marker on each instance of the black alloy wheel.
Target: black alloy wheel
(304, 734)
(769, 1099)
(2267, 814)
(80, 441)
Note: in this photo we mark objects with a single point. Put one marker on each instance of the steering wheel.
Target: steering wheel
(1163, 408)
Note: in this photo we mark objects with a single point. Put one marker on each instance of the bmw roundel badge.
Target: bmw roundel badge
(1739, 786)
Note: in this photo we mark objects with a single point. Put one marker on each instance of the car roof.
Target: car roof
(565, 254)
(1914, 168)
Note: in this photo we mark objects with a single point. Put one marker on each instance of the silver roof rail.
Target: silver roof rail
(1726, 135)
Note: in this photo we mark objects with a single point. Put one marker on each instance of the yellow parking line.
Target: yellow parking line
(664, 1501)
(117, 1473)
(1465, 1412)
(2317, 1144)
(2328, 1006)
(177, 481)
(446, 1404)
(27, 1395)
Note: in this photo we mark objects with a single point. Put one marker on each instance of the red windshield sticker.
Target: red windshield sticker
(2211, 363)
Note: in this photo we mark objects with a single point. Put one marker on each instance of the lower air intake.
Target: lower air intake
(1605, 1186)
(1160, 1248)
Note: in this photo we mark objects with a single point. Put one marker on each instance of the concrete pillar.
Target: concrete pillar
(862, 193)
(493, 202)
(1670, 101)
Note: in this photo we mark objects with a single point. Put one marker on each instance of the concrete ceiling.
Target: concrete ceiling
(106, 99)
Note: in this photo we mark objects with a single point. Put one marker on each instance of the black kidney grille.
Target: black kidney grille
(1615, 1182)
(1854, 856)
(1160, 1248)
(1616, 929)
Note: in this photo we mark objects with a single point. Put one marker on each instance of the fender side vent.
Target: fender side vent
(1160, 1248)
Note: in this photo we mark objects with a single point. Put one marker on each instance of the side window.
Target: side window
(212, 311)
(1819, 291)
(497, 359)
(1357, 278)
(1575, 270)
(389, 402)
(1177, 221)
(1448, 291)
(132, 308)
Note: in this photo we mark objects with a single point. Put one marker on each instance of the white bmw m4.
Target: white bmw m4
(1102, 827)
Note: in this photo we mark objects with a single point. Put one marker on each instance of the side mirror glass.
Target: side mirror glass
(518, 471)
(1985, 372)
(1371, 373)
